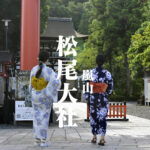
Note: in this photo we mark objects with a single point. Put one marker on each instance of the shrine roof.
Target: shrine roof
(61, 26)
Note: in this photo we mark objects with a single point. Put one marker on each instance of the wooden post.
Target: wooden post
(121, 110)
(117, 110)
(30, 33)
(125, 110)
(113, 110)
(110, 110)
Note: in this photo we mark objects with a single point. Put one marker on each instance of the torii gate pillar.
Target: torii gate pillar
(30, 33)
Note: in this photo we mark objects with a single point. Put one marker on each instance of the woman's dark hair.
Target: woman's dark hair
(100, 60)
(43, 57)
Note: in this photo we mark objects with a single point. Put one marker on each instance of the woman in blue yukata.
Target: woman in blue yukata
(43, 87)
(98, 101)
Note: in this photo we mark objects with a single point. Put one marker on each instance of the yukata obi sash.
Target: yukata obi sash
(38, 83)
(99, 87)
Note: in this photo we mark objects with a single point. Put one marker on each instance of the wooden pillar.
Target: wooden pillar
(30, 33)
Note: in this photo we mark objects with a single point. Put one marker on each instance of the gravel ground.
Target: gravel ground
(137, 110)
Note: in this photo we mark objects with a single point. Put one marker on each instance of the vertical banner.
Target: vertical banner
(30, 33)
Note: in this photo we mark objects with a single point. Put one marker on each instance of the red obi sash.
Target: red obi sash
(99, 87)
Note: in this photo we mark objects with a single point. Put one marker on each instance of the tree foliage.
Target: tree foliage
(114, 28)
(44, 14)
(12, 10)
(78, 10)
(139, 51)
(112, 24)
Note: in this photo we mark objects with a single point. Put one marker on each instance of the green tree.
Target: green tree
(84, 21)
(58, 8)
(139, 51)
(44, 14)
(12, 10)
(75, 9)
(113, 23)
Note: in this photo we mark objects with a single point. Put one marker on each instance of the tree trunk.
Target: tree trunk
(127, 76)
(110, 64)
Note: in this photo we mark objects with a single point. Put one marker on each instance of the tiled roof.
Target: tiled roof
(61, 26)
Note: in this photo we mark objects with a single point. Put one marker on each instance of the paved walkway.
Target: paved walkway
(136, 110)
(131, 135)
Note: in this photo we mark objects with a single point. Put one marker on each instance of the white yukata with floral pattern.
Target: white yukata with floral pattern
(42, 100)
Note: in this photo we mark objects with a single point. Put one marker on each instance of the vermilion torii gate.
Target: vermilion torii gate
(30, 33)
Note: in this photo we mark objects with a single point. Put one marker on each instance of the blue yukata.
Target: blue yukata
(98, 102)
(42, 99)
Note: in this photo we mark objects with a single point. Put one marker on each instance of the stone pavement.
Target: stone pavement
(136, 110)
(131, 135)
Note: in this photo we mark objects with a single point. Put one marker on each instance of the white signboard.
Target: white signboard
(23, 113)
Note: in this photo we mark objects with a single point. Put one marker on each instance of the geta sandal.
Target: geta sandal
(101, 142)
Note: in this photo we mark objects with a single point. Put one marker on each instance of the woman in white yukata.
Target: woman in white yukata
(43, 88)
